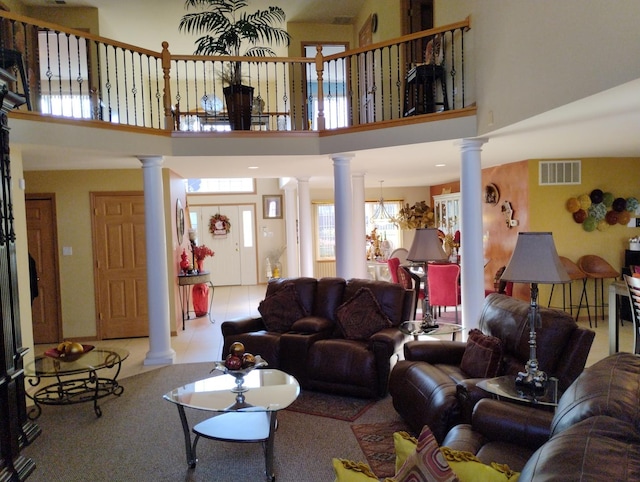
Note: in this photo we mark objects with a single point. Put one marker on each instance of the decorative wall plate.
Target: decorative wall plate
(491, 194)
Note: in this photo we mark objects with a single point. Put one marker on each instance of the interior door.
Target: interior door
(365, 80)
(120, 265)
(234, 262)
(417, 16)
(41, 239)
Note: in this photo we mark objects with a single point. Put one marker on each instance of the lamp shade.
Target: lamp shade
(426, 246)
(535, 260)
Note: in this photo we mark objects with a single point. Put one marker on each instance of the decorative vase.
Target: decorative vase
(200, 264)
(200, 296)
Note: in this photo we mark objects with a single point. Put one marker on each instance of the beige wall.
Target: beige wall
(72, 190)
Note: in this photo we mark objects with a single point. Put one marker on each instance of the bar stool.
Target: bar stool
(596, 269)
(575, 273)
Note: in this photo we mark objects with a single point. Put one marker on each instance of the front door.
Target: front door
(41, 239)
(120, 265)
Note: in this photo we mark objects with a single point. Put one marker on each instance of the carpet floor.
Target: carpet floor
(139, 438)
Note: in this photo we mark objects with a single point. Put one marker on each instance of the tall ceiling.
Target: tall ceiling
(603, 125)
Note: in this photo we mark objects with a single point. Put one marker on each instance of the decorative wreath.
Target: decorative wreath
(219, 224)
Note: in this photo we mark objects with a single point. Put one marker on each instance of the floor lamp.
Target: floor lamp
(426, 247)
(534, 260)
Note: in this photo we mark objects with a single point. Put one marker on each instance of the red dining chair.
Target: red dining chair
(393, 264)
(409, 282)
(443, 281)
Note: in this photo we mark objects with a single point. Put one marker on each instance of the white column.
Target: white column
(304, 227)
(291, 233)
(344, 215)
(359, 226)
(472, 253)
(160, 351)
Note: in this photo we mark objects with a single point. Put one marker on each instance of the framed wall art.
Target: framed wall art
(272, 206)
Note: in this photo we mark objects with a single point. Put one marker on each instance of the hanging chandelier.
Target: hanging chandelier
(381, 215)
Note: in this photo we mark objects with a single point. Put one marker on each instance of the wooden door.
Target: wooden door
(417, 16)
(42, 242)
(366, 80)
(120, 265)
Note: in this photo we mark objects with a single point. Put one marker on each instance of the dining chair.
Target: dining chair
(393, 264)
(401, 254)
(409, 282)
(597, 269)
(443, 282)
(633, 285)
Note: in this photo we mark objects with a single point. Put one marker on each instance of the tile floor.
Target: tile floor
(201, 341)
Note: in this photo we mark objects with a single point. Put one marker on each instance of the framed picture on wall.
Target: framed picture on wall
(272, 206)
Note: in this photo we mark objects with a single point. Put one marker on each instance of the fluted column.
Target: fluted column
(304, 227)
(359, 226)
(472, 253)
(344, 215)
(160, 351)
(291, 216)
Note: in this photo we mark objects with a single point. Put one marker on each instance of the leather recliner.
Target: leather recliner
(430, 388)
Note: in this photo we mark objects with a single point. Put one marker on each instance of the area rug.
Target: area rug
(376, 442)
(332, 406)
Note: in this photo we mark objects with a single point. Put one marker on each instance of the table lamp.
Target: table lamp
(534, 260)
(426, 247)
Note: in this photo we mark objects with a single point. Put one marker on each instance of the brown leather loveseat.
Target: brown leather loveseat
(333, 335)
(431, 387)
(594, 434)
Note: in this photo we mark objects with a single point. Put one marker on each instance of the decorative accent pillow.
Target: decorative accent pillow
(469, 468)
(482, 356)
(350, 471)
(427, 462)
(361, 316)
(281, 309)
(405, 445)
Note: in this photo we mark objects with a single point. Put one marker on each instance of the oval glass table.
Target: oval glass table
(417, 328)
(77, 381)
(243, 415)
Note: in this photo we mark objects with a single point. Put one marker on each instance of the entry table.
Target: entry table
(247, 415)
(186, 281)
(75, 381)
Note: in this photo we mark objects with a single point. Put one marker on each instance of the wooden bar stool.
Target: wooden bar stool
(597, 269)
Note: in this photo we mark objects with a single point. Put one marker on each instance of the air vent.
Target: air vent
(553, 173)
(342, 20)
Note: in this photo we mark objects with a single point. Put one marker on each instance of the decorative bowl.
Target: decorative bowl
(240, 374)
(62, 356)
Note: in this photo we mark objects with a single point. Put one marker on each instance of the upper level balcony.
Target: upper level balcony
(68, 74)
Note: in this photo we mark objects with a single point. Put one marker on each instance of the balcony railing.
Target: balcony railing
(69, 73)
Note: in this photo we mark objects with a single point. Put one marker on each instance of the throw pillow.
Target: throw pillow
(469, 468)
(482, 356)
(281, 309)
(427, 462)
(361, 316)
(350, 471)
(405, 445)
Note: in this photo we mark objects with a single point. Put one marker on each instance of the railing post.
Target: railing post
(320, 72)
(166, 97)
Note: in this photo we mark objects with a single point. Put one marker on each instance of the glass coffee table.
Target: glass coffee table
(70, 382)
(246, 412)
(505, 388)
(416, 329)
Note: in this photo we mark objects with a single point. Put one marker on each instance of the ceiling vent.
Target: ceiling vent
(342, 20)
(57, 2)
(553, 173)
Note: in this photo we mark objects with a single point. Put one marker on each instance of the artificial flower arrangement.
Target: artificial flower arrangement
(201, 252)
(420, 215)
(219, 224)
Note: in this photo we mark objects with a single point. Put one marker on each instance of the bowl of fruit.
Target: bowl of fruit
(238, 363)
(68, 351)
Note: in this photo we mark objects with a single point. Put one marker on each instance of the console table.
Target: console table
(185, 281)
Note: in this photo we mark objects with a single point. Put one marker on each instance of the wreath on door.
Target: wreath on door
(219, 225)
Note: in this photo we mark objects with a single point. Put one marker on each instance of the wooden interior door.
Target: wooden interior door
(365, 66)
(120, 265)
(42, 241)
(417, 16)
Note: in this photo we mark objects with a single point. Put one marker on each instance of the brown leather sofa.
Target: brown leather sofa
(314, 348)
(594, 434)
(430, 388)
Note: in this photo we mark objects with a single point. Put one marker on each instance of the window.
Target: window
(239, 185)
(326, 231)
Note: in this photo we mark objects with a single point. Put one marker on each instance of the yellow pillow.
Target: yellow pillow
(468, 468)
(404, 445)
(350, 471)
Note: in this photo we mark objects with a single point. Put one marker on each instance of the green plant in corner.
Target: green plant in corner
(227, 31)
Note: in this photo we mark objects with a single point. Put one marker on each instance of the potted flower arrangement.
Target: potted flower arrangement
(200, 253)
(420, 215)
(227, 29)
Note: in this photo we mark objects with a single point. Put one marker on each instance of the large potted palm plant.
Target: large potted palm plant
(227, 31)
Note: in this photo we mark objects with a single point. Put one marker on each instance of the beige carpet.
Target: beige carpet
(139, 438)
